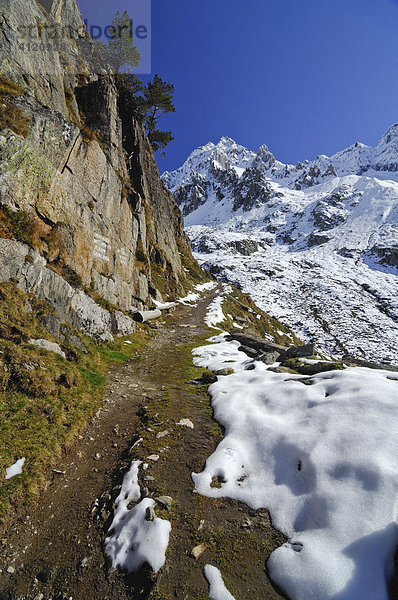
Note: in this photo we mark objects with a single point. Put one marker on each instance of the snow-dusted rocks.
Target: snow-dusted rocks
(303, 240)
(320, 453)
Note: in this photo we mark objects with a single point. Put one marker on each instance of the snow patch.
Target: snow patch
(163, 305)
(186, 423)
(190, 299)
(214, 314)
(133, 539)
(15, 469)
(209, 285)
(217, 590)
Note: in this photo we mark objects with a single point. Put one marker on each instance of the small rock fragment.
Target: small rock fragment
(150, 514)
(136, 443)
(84, 562)
(186, 423)
(153, 457)
(28, 307)
(198, 551)
(162, 434)
(10, 570)
(165, 501)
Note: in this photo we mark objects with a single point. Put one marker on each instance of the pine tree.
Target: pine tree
(157, 101)
(120, 52)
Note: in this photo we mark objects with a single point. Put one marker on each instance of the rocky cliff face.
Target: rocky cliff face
(75, 158)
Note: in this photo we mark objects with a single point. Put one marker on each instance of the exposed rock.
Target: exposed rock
(72, 305)
(198, 551)
(46, 345)
(256, 343)
(316, 239)
(244, 247)
(298, 351)
(153, 457)
(84, 562)
(251, 352)
(224, 372)
(329, 213)
(52, 325)
(269, 358)
(28, 307)
(66, 335)
(150, 513)
(163, 434)
(387, 255)
(312, 368)
(165, 501)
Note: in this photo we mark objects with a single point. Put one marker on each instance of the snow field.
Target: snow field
(321, 454)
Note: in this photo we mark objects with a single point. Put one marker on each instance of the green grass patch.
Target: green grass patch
(92, 378)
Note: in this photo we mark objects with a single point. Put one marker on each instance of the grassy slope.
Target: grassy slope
(45, 400)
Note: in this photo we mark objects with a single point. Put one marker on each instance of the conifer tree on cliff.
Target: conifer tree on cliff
(120, 52)
(153, 100)
(157, 101)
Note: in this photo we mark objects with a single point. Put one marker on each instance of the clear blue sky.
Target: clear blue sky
(305, 78)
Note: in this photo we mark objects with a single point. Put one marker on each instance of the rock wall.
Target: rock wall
(74, 156)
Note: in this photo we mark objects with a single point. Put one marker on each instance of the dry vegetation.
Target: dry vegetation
(11, 116)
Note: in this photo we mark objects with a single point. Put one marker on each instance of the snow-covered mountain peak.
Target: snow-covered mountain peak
(226, 142)
(316, 243)
(386, 151)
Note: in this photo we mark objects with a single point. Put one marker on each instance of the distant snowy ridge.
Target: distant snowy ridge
(315, 244)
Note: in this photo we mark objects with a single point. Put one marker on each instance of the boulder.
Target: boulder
(316, 239)
(300, 351)
(256, 343)
(244, 247)
(49, 346)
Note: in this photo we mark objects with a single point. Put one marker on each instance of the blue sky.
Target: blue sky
(305, 78)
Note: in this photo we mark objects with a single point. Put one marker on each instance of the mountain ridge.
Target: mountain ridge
(259, 223)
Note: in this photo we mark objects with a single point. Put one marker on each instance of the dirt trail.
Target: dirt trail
(55, 550)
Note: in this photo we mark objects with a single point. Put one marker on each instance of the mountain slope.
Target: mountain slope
(315, 244)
